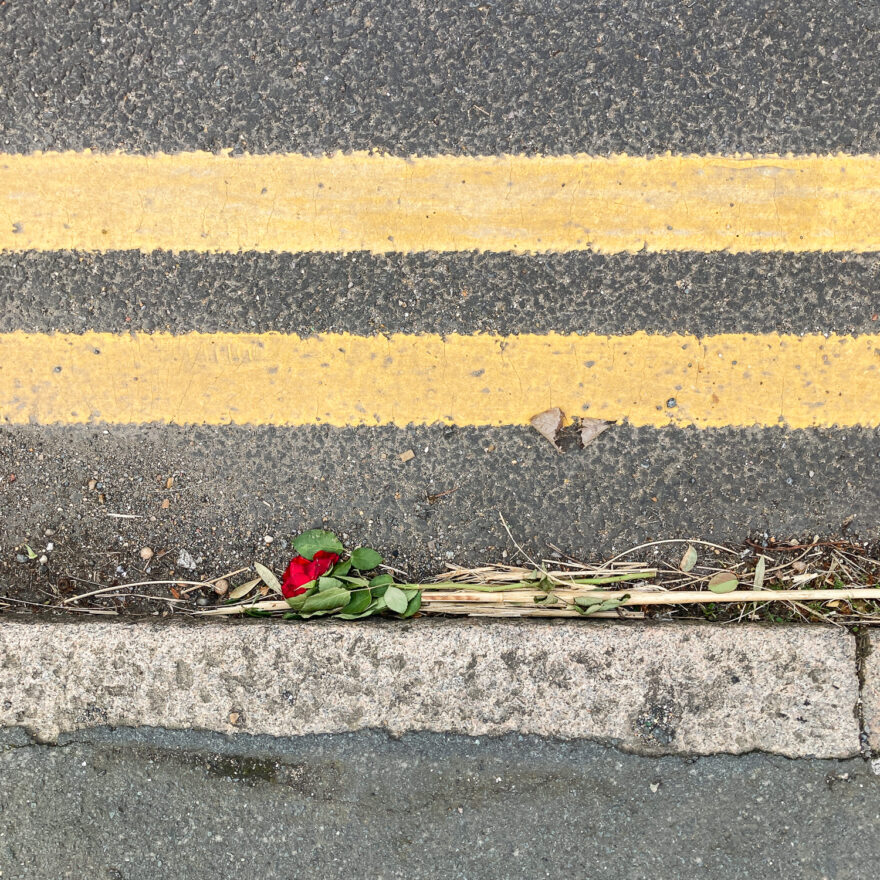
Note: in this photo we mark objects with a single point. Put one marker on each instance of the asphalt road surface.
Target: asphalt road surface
(137, 804)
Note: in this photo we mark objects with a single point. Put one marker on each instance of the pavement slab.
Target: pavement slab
(685, 688)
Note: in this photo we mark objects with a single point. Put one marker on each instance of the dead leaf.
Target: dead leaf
(689, 560)
(268, 576)
(409, 455)
(547, 424)
(169, 482)
(243, 589)
(760, 568)
(592, 428)
(723, 582)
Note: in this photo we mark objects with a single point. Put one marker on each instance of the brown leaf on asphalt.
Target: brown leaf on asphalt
(592, 428)
(689, 560)
(548, 423)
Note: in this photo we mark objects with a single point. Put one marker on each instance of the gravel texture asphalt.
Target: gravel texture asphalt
(235, 485)
(408, 76)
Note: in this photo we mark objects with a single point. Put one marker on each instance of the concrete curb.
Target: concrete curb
(655, 689)
(870, 692)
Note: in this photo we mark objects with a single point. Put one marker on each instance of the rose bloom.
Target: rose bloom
(302, 571)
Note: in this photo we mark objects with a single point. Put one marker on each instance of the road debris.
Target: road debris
(592, 428)
(548, 423)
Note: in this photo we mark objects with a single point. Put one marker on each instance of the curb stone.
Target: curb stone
(870, 692)
(654, 689)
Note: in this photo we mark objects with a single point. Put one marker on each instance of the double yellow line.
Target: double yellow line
(203, 202)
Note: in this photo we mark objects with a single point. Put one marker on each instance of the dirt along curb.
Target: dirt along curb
(684, 688)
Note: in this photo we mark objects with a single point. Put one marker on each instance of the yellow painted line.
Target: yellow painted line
(340, 379)
(204, 202)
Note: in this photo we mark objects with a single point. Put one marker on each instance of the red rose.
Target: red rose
(302, 571)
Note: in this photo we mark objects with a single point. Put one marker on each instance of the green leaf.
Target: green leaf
(365, 559)
(410, 593)
(326, 600)
(396, 600)
(369, 611)
(290, 615)
(689, 560)
(760, 568)
(309, 543)
(30, 551)
(356, 581)
(413, 605)
(328, 583)
(379, 591)
(591, 604)
(341, 567)
(256, 612)
(382, 580)
(723, 582)
(359, 602)
(297, 601)
(268, 577)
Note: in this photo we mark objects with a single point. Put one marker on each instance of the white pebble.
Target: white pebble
(268, 539)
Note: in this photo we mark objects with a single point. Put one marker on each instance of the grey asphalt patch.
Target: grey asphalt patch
(655, 689)
(234, 485)
(408, 77)
(136, 805)
(440, 293)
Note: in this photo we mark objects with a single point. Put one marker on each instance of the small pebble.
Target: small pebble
(92, 485)
(221, 587)
(146, 553)
(203, 600)
(166, 504)
(50, 547)
(49, 532)
(268, 539)
(185, 560)
(44, 559)
(20, 557)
